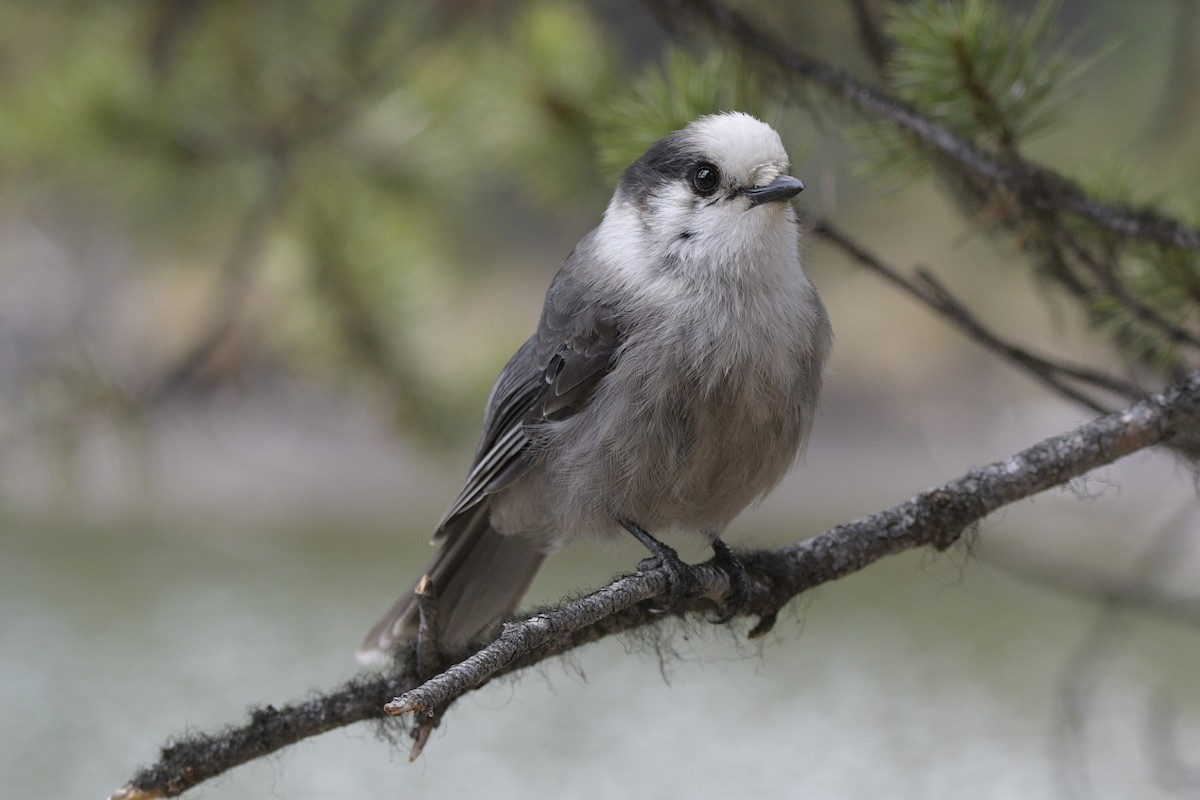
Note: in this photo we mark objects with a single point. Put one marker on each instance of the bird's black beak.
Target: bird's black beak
(785, 187)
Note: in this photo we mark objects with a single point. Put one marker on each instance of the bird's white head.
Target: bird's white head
(709, 196)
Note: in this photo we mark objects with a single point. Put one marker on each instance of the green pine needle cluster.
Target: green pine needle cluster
(996, 79)
(992, 77)
(984, 73)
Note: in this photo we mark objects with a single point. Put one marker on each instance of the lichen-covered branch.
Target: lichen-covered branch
(936, 517)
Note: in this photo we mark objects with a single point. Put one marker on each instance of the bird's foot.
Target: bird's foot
(681, 578)
(739, 582)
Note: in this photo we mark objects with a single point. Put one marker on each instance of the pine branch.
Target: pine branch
(937, 517)
(1034, 186)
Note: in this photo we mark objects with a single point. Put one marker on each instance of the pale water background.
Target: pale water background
(923, 677)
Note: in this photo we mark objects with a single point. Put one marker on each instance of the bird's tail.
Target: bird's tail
(478, 576)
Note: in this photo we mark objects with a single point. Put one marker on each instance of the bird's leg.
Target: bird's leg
(662, 557)
(739, 581)
(430, 659)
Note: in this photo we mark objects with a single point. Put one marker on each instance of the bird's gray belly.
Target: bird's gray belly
(659, 449)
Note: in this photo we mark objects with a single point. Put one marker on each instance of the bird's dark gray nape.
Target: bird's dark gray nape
(669, 159)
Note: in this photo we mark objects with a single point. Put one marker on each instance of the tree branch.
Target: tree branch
(936, 517)
(1034, 186)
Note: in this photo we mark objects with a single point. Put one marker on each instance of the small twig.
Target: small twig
(983, 102)
(928, 290)
(1111, 283)
(1045, 369)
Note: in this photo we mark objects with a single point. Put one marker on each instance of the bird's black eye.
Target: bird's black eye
(705, 178)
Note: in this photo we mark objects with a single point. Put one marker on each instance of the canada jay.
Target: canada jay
(671, 382)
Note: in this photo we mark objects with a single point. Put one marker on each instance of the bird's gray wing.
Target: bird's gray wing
(550, 378)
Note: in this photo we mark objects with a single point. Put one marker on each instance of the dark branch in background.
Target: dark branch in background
(1173, 771)
(236, 272)
(929, 291)
(936, 517)
(310, 118)
(171, 21)
(870, 33)
(1081, 678)
(1108, 279)
(361, 328)
(1130, 596)
(1032, 185)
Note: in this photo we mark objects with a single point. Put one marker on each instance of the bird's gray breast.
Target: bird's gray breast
(709, 399)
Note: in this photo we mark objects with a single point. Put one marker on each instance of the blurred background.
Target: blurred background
(259, 264)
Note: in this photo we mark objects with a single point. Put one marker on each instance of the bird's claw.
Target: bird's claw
(680, 574)
(739, 581)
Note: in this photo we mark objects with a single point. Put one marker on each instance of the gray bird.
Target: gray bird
(671, 382)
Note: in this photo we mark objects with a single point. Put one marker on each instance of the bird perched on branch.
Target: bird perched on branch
(671, 382)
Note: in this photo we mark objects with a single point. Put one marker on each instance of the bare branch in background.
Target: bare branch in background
(928, 290)
(874, 41)
(236, 272)
(361, 329)
(1174, 771)
(1107, 277)
(1130, 596)
(311, 117)
(1080, 680)
(936, 517)
(170, 24)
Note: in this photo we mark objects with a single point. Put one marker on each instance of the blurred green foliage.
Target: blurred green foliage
(980, 70)
(305, 188)
(357, 138)
(315, 164)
